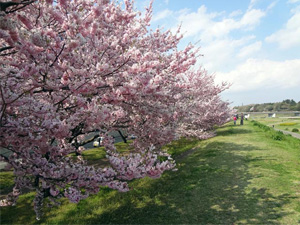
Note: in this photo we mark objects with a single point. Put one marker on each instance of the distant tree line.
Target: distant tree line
(286, 105)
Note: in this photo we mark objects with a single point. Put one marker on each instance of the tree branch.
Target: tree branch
(21, 95)
(10, 53)
(58, 55)
(61, 101)
(5, 48)
(3, 107)
(119, 67)
(5, 5)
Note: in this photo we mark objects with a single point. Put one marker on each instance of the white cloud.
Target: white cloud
(289, 36)
(195, 22)
(250, 49)
(236, 13)
(293, 1)
(162, 15)
(256, 74)
(209, 26)
(252, 3)
(272, 5)
(213, 29)
(251, 18)
(220, 55)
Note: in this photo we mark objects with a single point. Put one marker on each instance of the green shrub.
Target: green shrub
(275, 135)
(260, 125)
(286, 128)
(278, 136)
(295, 130)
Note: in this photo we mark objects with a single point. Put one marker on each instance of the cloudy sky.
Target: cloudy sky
(253, 44)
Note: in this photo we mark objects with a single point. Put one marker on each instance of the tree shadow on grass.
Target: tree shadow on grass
(21, 213)
(210, 187)
(232, 130)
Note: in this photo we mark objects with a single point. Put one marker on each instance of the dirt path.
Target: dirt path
(295, 135)
(288, 132)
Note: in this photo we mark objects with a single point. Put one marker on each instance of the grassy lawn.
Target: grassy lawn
(281, 123)
(241, 176)
(6, 182)
(97, 156)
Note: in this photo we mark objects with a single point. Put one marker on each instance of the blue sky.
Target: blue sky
(252, 44)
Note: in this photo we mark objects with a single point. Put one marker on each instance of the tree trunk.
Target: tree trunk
(122, 136)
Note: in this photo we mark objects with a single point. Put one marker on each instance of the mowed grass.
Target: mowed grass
(241, 176)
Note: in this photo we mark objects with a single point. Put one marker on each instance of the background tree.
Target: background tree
(74, 68)
(297, 107)
(269, 107)
(285, 105)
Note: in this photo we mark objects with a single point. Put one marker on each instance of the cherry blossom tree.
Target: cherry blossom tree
(74, 68)
(200, 100)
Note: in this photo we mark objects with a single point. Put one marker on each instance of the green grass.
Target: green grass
(289, 128)
(97, 156)
(181, 146)
(281, 123)
(241, 176)
(6, 182)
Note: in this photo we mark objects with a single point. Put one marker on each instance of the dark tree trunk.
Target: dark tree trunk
(122, 136)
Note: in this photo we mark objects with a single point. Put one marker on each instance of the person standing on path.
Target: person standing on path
(242, 119)
(234, 120)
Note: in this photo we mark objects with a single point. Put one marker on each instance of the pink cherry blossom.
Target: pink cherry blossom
(76, 70)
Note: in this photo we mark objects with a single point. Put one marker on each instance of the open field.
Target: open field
(281, 123)
(241, 176)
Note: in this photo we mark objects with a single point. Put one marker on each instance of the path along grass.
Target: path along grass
(240, 176)
(281, 123)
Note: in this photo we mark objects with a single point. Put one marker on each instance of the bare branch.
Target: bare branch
(21, 95)
(61, 101)
(37, 18)
(6, 48)
(5, 5)
(115, 70)
(10, 53)
(58, 55)
(4, 106)
(71, 107)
